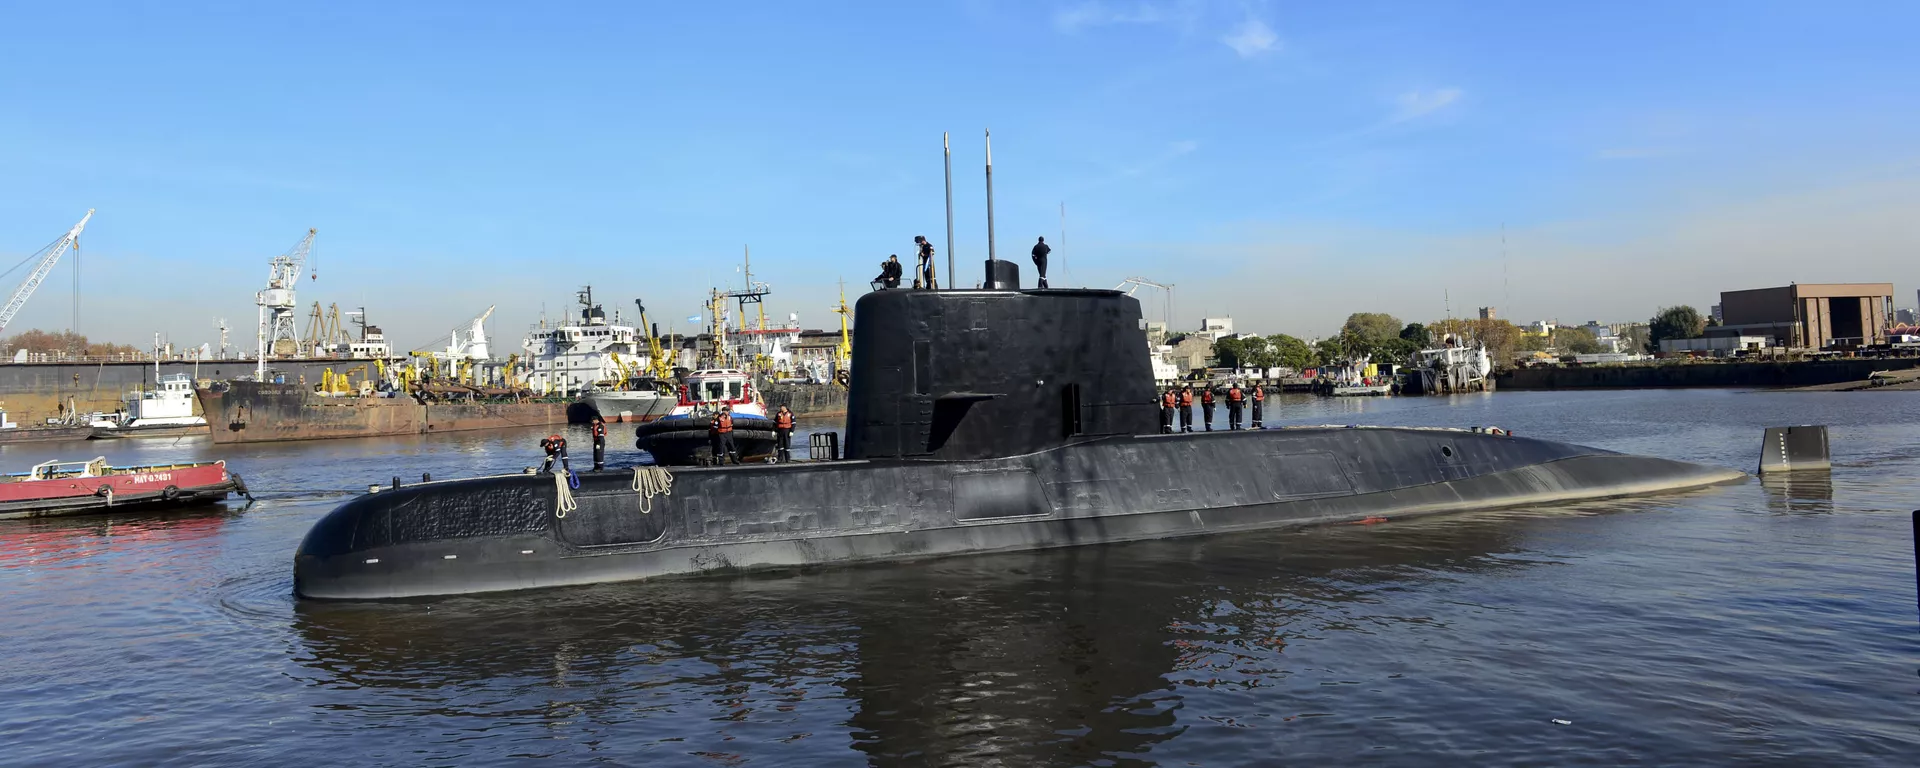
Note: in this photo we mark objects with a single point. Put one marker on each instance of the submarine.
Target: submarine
(989, 420)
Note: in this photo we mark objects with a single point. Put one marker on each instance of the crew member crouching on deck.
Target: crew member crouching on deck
(1166, 411)
(1206, 405)
(1259, 397)
(1235, 400)
(783, 432)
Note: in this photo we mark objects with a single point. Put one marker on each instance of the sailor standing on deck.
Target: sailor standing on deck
(1186, 408)
(1206, 405)
(1166, 411)
(1040, 251)
(1259, 396)
(783, 430)
(1235, 399)
(924, 277)
(599, 443)
(723, 425)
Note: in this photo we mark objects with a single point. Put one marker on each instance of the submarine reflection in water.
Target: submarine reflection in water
(1019, 659)
(978, 421)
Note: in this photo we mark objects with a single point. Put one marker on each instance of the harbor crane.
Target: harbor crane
(277, 334)
(49, 256)
(1132, 284)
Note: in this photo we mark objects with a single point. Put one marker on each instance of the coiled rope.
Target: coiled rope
(650, 482)
(563, 502)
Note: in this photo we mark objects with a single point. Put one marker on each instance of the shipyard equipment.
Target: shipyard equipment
(278, 337)
(49, 256)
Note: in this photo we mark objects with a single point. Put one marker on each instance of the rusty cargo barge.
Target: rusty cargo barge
(257, 412)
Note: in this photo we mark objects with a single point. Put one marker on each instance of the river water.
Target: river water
(1768, 623)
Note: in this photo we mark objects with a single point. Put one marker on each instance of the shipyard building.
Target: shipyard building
(1810, 315)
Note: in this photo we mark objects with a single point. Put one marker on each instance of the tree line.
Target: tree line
(1383, 338)
(37, 341)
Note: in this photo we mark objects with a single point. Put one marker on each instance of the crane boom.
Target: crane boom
(41, 270)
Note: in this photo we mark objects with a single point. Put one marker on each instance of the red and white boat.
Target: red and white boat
(80, 487)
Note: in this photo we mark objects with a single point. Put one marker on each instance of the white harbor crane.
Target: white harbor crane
(1132, 284)
(49, 256)
(470, 341)
(277, 333)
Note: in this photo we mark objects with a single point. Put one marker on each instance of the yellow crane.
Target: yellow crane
(657, 364)
(843, 355)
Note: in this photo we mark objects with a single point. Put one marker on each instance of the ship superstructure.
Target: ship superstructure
(574, 357)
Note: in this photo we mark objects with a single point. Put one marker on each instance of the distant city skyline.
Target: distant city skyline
(1283, 163)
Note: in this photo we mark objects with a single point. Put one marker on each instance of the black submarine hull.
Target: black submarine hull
(504, 533)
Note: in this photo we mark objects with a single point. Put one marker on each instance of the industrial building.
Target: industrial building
(1810, 315)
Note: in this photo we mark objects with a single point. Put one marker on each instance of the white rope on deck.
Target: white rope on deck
(564, 502)
(650, 482)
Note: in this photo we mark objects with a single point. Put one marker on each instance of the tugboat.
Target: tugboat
(79, 487)
(681, 438)
(164, 411)
(985, 420)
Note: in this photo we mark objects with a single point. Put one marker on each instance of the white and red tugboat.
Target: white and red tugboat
(81, 487)
(681, 436)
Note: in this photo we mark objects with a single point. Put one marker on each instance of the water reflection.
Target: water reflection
(66, 541)
(1063, 657)
(1804, 492)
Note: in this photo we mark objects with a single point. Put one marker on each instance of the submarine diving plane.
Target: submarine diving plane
(985, 420)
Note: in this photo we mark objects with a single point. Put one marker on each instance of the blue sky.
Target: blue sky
(1287, 163)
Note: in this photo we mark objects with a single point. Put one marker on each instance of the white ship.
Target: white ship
(164, 411)
(1451, 368)
(576, 357)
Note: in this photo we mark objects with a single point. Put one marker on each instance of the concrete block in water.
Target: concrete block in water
(1787, 449)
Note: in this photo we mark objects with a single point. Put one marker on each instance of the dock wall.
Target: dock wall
(807, 399)
(32, 392)
(1683, 374)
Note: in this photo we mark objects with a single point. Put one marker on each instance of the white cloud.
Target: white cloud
(1252, 38)
(1099, 14)
(1416, 104)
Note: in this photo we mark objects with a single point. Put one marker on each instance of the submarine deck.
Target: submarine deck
(505, 532)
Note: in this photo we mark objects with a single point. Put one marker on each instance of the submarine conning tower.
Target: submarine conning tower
(1000, 371)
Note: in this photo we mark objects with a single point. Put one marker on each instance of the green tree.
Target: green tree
(1579, 341)
(1681, 322)
(1372, 326)
(1417, 334)
(1534, 343)
(1229, 351)
(1291, 352)
(1326, 351)
(1398, 351)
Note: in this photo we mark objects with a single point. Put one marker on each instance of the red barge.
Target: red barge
(81, 487)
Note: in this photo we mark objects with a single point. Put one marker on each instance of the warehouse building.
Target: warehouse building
(1810, 315)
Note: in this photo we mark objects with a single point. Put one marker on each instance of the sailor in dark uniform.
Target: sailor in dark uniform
(1236, 399)
(1166, 411)
(1259, 397)
(1206, 405)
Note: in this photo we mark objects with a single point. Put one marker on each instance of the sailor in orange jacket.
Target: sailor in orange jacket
(1186, 408)
(1166, 411)
(723, 427)
(1236, 399)
(783, 431)
(1206, 405)
(1259, 397)
(599, 443)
